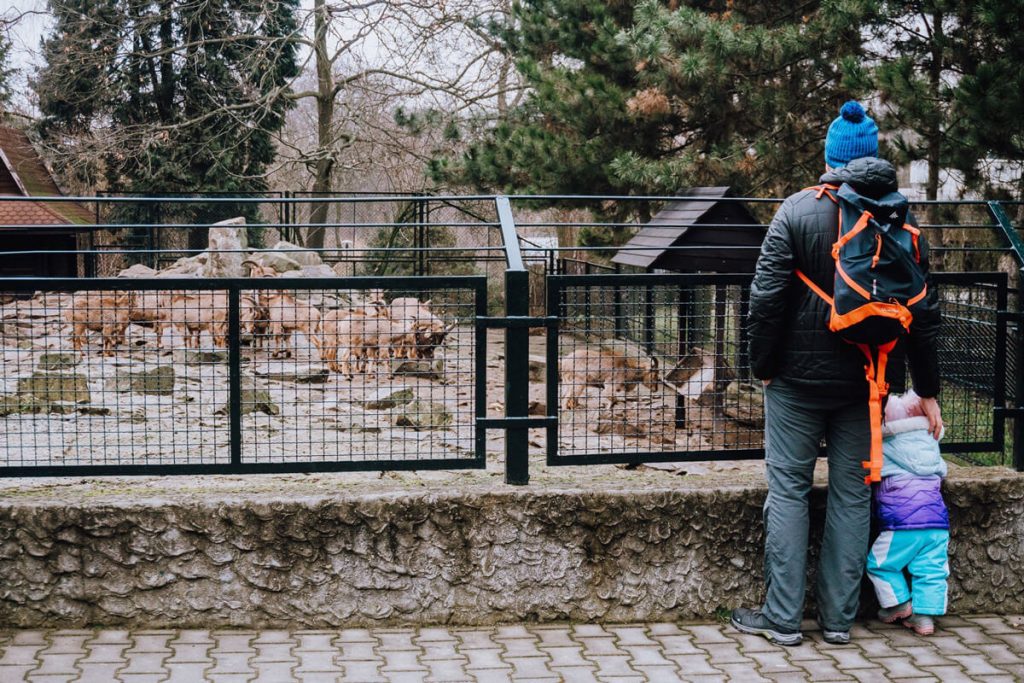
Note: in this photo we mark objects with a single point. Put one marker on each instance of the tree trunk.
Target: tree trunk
(324, 117)
(935, 135)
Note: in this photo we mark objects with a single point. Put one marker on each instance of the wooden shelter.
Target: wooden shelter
(715, 235)
(62, 226)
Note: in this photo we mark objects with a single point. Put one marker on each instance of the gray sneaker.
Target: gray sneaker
(754, 622)
(835, 637)
(922, 624)
(891, 615)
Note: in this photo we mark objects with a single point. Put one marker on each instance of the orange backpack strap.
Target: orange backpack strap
(813, 287)
(878, 389)
(825, 190)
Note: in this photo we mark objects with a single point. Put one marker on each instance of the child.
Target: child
(913, 518)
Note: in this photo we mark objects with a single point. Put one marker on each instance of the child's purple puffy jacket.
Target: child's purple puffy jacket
(909, 496)
(908, 502)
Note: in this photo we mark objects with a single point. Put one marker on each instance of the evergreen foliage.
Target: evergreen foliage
(650, 98)
(157, 97)
(5, 73)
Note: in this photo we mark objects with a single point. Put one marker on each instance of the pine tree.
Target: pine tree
(6, 73)
(649, 97)
(154, 97)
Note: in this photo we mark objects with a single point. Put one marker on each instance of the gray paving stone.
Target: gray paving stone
(992, 624)
(187, 672)
(977, 665)
(631, 635)
(925, 655)
(869, 675)
(95, 672)
(694, 665)
(576, 674)
(554, 637)
(899, 667)
(21, 654)
(949, 674)
(365, 672)
(30, 638)
(610, 666)
(661, 674)
(724, 653)
(56, 664)
(746, 672)
(566, 656)
(709, 633)
(823, 670)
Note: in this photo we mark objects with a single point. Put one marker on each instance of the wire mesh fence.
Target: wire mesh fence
(244, 365)
(654, 367)
(240, 374)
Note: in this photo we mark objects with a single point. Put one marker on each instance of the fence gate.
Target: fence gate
(175, 376)
(652, 367)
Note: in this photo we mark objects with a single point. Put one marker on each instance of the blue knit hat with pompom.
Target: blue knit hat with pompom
(851, 136)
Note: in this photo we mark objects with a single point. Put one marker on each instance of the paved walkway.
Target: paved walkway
(978, 648)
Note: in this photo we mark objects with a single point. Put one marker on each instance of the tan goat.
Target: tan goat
(614, 372)
(105, 312)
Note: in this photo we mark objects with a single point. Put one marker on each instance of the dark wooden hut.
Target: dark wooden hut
(713, 235)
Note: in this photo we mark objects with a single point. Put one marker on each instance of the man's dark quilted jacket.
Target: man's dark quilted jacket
(788, 324)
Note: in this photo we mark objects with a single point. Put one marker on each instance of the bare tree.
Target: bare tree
(373, 58)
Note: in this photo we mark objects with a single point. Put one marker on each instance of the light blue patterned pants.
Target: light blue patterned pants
(924, 554)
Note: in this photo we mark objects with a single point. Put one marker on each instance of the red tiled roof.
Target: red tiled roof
(38, 182)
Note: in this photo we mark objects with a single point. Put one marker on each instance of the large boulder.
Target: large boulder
(385, 399)
(281, 263)
(302, 256)
(158, 381)
(423, 415)
(138, 271)
(227, 240)
(254, 399)
(68, 387)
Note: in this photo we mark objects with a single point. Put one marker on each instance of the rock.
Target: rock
(138, 271)
(55, 386)
(12, 404)
(227, 240)
(422, 415)
(187, 266)
(199, 356)
(58, 361)
(537, 408)
(98, 411)
(321, 271)
(538, 368)
(423, 368)
(301, 256)
(307, 375)
(254, 399)
(282, 263)
(385, 399)
(744, 403)
(156, 382)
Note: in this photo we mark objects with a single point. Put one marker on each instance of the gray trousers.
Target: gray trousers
(796, 419)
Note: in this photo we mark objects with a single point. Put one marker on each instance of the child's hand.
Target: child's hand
(934, 415)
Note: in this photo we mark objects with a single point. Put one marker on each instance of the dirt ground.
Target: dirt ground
(310, 414)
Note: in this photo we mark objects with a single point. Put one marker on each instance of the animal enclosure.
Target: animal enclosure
(405, 342)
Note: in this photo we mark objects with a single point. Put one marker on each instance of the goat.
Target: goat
(105, 312)
(613, 371)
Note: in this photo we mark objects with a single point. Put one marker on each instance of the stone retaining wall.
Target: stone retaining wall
(469, 558)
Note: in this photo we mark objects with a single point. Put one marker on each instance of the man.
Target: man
(815, 388)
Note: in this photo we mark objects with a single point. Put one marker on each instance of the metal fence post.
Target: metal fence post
(235, 373)
(517, 351)
(1018, 420)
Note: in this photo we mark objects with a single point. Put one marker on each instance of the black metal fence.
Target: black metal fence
(241, 375)
(370, 352)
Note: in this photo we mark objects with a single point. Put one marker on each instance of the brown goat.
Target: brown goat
(616, 373)
(105, 312)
